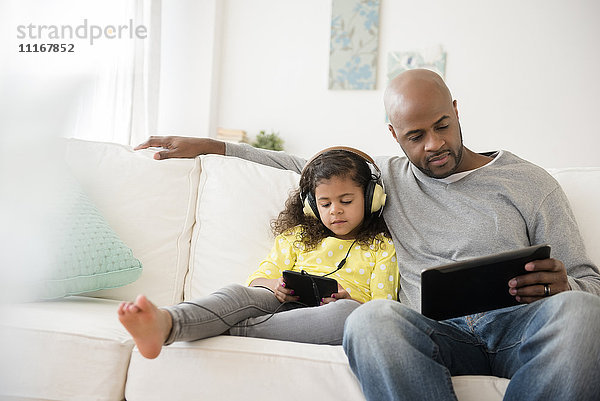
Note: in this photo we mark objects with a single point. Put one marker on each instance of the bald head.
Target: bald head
(424, 122)
(412, 91)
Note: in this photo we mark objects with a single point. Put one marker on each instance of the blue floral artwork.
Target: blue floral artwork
(354, 42)
(433, 58)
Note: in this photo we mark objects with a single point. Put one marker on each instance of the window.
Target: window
(99, 60)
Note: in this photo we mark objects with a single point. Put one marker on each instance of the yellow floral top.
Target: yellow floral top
(369, 272)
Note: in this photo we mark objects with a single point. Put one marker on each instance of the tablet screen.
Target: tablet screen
(475, 285)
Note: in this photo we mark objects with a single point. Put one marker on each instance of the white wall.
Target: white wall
(524, 72)
(189, 80)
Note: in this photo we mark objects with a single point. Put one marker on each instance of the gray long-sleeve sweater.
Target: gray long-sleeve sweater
(505, 205)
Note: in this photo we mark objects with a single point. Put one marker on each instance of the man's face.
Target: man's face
(428, 131)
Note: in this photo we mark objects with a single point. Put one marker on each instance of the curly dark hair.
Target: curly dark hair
(333, 163)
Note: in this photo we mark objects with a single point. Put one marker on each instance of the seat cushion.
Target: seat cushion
(68, 349)
(227, 368)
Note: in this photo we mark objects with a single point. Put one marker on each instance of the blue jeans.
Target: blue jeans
(550, 349)
(249, 310)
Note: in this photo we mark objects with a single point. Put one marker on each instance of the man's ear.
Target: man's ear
(393, 132)
(455, 105)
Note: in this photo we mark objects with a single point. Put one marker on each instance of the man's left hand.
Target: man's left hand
(546, 277)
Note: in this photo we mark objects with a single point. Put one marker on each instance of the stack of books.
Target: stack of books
(232, 135)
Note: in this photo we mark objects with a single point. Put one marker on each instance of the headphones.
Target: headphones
(374, 192)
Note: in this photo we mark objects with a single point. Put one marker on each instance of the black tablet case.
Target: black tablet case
(475, 285)
(302, 284)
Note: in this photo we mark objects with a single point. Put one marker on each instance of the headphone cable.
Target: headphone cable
(343, 261)
(231, 326)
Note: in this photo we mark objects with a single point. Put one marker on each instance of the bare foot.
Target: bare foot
(148, 325)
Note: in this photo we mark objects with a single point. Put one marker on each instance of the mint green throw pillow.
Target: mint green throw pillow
(84, 253)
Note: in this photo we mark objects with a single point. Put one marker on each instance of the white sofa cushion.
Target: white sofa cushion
(237, 201)
(224, 368)
(69, 349)
(582, 186)
(150, 204)
(83, 253)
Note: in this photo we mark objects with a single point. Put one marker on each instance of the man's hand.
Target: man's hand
(531, 286)
(182, 147)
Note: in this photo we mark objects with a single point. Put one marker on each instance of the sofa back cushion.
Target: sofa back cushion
(81, 252)
(237, 201)
(150, 204)
(582, 186)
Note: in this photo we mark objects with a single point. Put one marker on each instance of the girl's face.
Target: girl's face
(341, 204)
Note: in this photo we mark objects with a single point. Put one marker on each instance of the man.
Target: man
(447, 203)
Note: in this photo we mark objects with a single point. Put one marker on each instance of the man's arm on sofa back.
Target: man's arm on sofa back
(182, 147)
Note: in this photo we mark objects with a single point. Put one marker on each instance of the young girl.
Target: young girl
(331, 226)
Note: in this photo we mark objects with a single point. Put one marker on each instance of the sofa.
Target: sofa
(194, 225)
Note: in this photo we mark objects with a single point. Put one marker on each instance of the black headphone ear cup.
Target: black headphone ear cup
(310, 206)
(369, 197)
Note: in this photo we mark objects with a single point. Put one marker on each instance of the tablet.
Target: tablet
(475, 285)
(308, 287)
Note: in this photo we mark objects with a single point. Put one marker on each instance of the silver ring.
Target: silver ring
(546, 290)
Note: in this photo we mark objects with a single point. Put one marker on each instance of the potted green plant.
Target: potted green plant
(270, 141)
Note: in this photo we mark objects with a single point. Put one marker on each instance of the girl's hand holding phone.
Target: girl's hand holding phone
(341, 294)
(282, 293)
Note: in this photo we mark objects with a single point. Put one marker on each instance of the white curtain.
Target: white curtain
(119, 100)
(106, 89)
(146, 82)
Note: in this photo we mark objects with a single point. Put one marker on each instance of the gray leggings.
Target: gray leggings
(244, 307)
